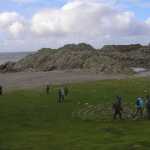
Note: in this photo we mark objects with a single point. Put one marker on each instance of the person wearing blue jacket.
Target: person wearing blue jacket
(139, 107)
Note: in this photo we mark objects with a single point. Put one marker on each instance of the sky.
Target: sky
(28, 25)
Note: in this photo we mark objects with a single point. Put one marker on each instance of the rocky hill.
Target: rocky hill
(109, 59)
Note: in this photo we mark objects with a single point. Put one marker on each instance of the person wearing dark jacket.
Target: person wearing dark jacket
(61, 95)
(117, 108)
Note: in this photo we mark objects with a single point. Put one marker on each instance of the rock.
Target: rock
(7, 67)
(109, 59)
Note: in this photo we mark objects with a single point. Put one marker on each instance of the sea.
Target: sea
(12, 56)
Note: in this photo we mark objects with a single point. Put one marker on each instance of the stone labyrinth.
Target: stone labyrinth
(102, 112)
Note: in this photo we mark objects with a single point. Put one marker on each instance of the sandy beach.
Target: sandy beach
(22, 80)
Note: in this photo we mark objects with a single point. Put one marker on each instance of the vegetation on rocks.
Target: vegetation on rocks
(108, 59)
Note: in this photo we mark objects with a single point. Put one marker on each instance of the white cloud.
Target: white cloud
(6, 18)
(16, 28)
(92, 21)
(85, 18)
(11, 23)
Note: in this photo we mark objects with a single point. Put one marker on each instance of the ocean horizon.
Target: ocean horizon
(12, 56)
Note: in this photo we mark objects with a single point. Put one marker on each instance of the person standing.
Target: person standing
(139, 107)
(61, 95)
(117, 108)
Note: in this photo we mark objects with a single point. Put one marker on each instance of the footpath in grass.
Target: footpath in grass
(32, 120)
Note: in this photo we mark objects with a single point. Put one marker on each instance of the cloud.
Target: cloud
(6, 18)
(11, 23)
(86, 19)
(16, 28)
(94, 21)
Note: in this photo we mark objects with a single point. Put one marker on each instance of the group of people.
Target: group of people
(63, 91)
(140, 105)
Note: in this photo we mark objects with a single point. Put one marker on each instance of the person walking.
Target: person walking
(117, 108)
(61, 95)
(139, 107)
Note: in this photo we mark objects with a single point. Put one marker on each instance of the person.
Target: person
(139, 106)
(148, 106)
(47, 89)
(1, 90)
(66, 90)
(61, 95)
(117, 108)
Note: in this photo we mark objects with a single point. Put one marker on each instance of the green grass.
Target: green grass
(31, 120)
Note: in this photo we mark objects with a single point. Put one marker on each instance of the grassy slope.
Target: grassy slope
(31, 120)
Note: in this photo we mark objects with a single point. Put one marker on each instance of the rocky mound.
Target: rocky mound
(109, 59)
(121, 48)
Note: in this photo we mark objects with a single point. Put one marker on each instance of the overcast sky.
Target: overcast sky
(27, 25)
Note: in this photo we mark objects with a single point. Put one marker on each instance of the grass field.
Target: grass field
(31, 120)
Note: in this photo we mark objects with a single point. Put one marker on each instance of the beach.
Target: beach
(21, 80)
